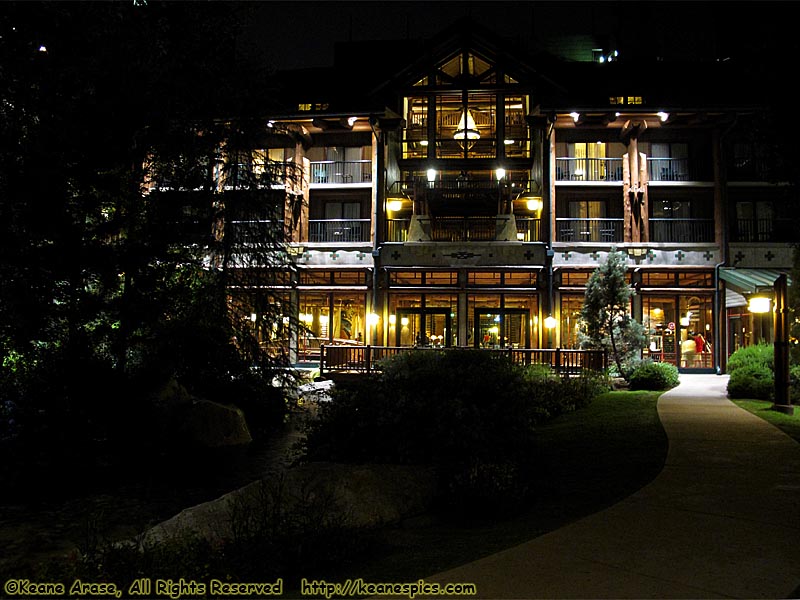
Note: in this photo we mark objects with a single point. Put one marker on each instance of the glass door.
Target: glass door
(502, 328)
(424, 327)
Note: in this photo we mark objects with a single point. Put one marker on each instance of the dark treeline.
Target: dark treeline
(99, 306)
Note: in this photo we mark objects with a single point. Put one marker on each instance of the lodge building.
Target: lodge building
(460, 193)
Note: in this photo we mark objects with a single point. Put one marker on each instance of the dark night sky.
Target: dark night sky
(303, 33)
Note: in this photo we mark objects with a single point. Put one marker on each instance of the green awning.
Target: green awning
(750, 281)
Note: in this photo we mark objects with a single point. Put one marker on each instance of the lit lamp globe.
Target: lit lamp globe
(550, 322)
(758, 304)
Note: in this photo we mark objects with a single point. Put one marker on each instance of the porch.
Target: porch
(367, 359)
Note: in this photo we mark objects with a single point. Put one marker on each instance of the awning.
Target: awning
(750, 281)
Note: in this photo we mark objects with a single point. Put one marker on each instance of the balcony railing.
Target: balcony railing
(465, 229)
(668, 169)
(255, 232)
(588, 230)
(765, 230)
(529, 229)
(588, 169)
(681, 230)
(397, 230)
(610, 169)
(339, 230)
(367, 359)
(341, 171)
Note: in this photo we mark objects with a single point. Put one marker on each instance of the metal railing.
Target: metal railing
(668, 169)
(588, 169)
(367, 359)
(339, 230)
(588, 230)
(529, 229)
(681, 230)
(765, 230)
(341, 171)
(255, 232)
(465, 229)
(397, 230)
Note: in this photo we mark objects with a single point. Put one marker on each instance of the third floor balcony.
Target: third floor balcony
(610, 169)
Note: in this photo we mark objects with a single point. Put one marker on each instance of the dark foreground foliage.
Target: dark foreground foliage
(471, 414)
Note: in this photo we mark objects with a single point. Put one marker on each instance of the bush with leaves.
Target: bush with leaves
(470, 413)
(754, 381)
(760, 354)
(649, 375)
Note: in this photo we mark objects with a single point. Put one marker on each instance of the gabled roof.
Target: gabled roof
(465, 35)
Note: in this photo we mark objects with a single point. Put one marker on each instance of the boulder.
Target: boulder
(214, 425)
(349, 495)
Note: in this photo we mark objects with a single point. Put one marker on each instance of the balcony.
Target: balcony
(251, 233)
(589, 230)
(681, 230)
(339, 230)
(588, 169)
(529, 229)
(341, 172)
(668, 169)
(610, 169)
(764, 230)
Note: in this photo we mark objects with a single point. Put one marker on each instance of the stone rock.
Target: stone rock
(172, 395)
(350, 495)
(214, 425)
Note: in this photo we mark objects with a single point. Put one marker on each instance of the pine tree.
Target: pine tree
(607, 322)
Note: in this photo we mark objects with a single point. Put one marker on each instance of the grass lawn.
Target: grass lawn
(789, 424)
(588, 459)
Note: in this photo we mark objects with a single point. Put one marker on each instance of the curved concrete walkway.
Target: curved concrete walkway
(720, 521)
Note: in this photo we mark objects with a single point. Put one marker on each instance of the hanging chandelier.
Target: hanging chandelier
(466, 128)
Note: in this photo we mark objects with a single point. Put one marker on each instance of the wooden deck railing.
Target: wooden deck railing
(367, 359)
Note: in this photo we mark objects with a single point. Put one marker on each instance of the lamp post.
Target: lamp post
(780, 323)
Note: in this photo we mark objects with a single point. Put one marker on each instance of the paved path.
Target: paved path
(720, 521)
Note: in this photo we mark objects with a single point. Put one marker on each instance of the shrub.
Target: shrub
(470, 413)
(649, 375)
(794, 384)
(761, 354)
(755, 381)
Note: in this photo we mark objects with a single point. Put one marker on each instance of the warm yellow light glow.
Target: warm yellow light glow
(394, 205)
(534, 204)
(663, 116)
(508, 142)
(431, 175)
(758, 304)
(423, 142)
(494, 330)
(373, 319)
(520, 236)
(466, 128)
(404, 321)
(575, 116)
(550, 322)
(500, 173)
(392, 319)
(323, 319)
(253, 317)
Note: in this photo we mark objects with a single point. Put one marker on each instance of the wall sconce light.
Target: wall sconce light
(373, 319)
(431, 175)
(758, 304)
(500, 174)
(550, 322)
(392, 319)
(663, 116)
(253, 317)
(394, 205)
(404, 321)
(534, 203)
(575, 116)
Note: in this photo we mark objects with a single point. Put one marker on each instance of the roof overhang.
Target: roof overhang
(750, 281)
